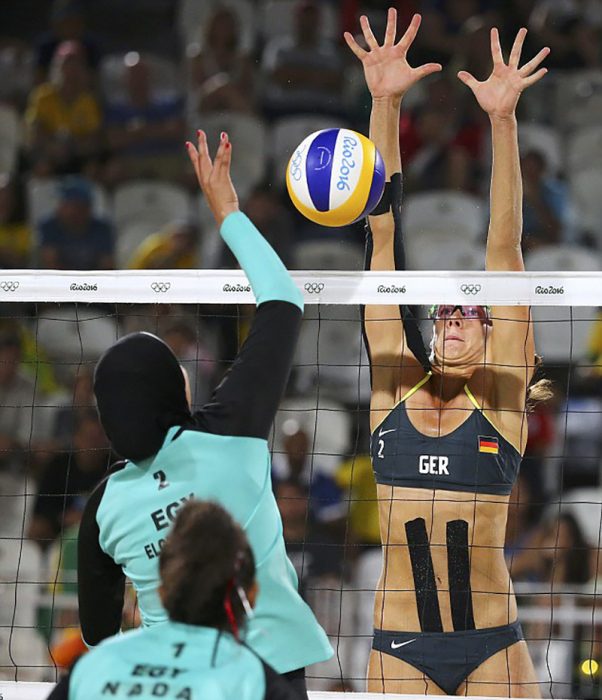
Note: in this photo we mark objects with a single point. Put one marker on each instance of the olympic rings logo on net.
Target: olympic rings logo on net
(9, 286)
(160, 287)
(470, 288)
(314, 287)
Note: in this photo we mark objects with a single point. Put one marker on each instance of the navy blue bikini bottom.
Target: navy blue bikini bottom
(447, 658)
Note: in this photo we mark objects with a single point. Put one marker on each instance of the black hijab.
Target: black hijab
(140, 393)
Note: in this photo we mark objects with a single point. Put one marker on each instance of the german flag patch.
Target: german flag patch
(488, 444)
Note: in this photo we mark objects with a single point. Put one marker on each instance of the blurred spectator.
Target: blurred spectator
(197, 353)
(222, 75)
(473, 51)
(523, 531)
(73, 238)
(563, 556)
(443, 22)
(542, 437)
(594, 348)
(426, 136)
(16, 68)
(15, 233)
(572, 29)
(351, 10)
(69, 478)
(545, 203)
(312, 551)
(63, 116)
(303, 73)
(17, 394)
(443, 139)
(266, 210)
(145, 130)
(356, 477)
(23, 653)
(67, 23)
(173, 248)
(298, 463)
(79, 398)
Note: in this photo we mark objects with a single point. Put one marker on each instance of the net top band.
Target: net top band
(318, 287)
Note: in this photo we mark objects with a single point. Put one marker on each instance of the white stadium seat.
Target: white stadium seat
(129, 238)
(43, 196)
(545, 140)
(561, 332)
(71, 334)
(429, 250)
(461, 215)
(277, 19)
(157, 203)
(586, 193)
(288, 132)
(327, 423)
(579, 99)
(10, 138)
(328, 255)
(584, 150)
(165, 76)
(331, 354)
(249, 144)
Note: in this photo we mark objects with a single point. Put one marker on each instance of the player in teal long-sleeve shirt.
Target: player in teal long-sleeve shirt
(218, 453)
(208, 588)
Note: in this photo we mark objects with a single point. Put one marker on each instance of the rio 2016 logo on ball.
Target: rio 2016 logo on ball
(335, 177)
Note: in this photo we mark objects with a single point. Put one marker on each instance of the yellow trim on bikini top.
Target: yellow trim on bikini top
(468, 392)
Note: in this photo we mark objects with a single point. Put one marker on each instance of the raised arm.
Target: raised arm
(511, 349)
(498, 96)
(247, 399)
(388, 77)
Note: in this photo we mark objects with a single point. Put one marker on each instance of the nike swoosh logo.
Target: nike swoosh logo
(382, 432)
(402, 644)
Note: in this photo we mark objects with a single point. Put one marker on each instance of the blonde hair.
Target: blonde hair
(539, 390)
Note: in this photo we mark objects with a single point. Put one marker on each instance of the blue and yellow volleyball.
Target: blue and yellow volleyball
(335, 177)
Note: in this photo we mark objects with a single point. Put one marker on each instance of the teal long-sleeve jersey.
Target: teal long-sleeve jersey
(173, 661)
(219, 453)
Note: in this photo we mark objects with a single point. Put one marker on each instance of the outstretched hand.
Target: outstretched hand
(499, 94)
(386, 69)
(214, 177)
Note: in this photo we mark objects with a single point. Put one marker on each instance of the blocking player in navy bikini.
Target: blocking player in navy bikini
(208, 588)
(448, 428)
(219, 453)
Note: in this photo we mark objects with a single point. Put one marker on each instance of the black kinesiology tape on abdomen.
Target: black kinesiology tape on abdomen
(458, 571)
(425, 585)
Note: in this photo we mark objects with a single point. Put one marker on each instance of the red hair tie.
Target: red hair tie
(229, 610)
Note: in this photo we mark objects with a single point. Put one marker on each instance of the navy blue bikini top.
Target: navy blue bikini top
(474, 457)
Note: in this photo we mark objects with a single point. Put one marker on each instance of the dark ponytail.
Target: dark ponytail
(205, 559)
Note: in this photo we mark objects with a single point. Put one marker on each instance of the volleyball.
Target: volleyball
(335, 177)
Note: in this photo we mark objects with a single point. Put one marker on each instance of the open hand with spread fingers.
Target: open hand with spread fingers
(214, 177)
(386, 68)
(499, 94)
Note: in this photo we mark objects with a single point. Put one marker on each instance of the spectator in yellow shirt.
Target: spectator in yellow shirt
(594, 346)
(173, 248)
(63, 116)
(357, 478)
(15, 233)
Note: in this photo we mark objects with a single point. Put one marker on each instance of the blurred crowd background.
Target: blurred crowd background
(96, 101)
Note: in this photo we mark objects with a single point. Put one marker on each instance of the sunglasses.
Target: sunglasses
(445, 311)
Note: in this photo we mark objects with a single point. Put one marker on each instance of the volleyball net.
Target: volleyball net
(55, 325)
